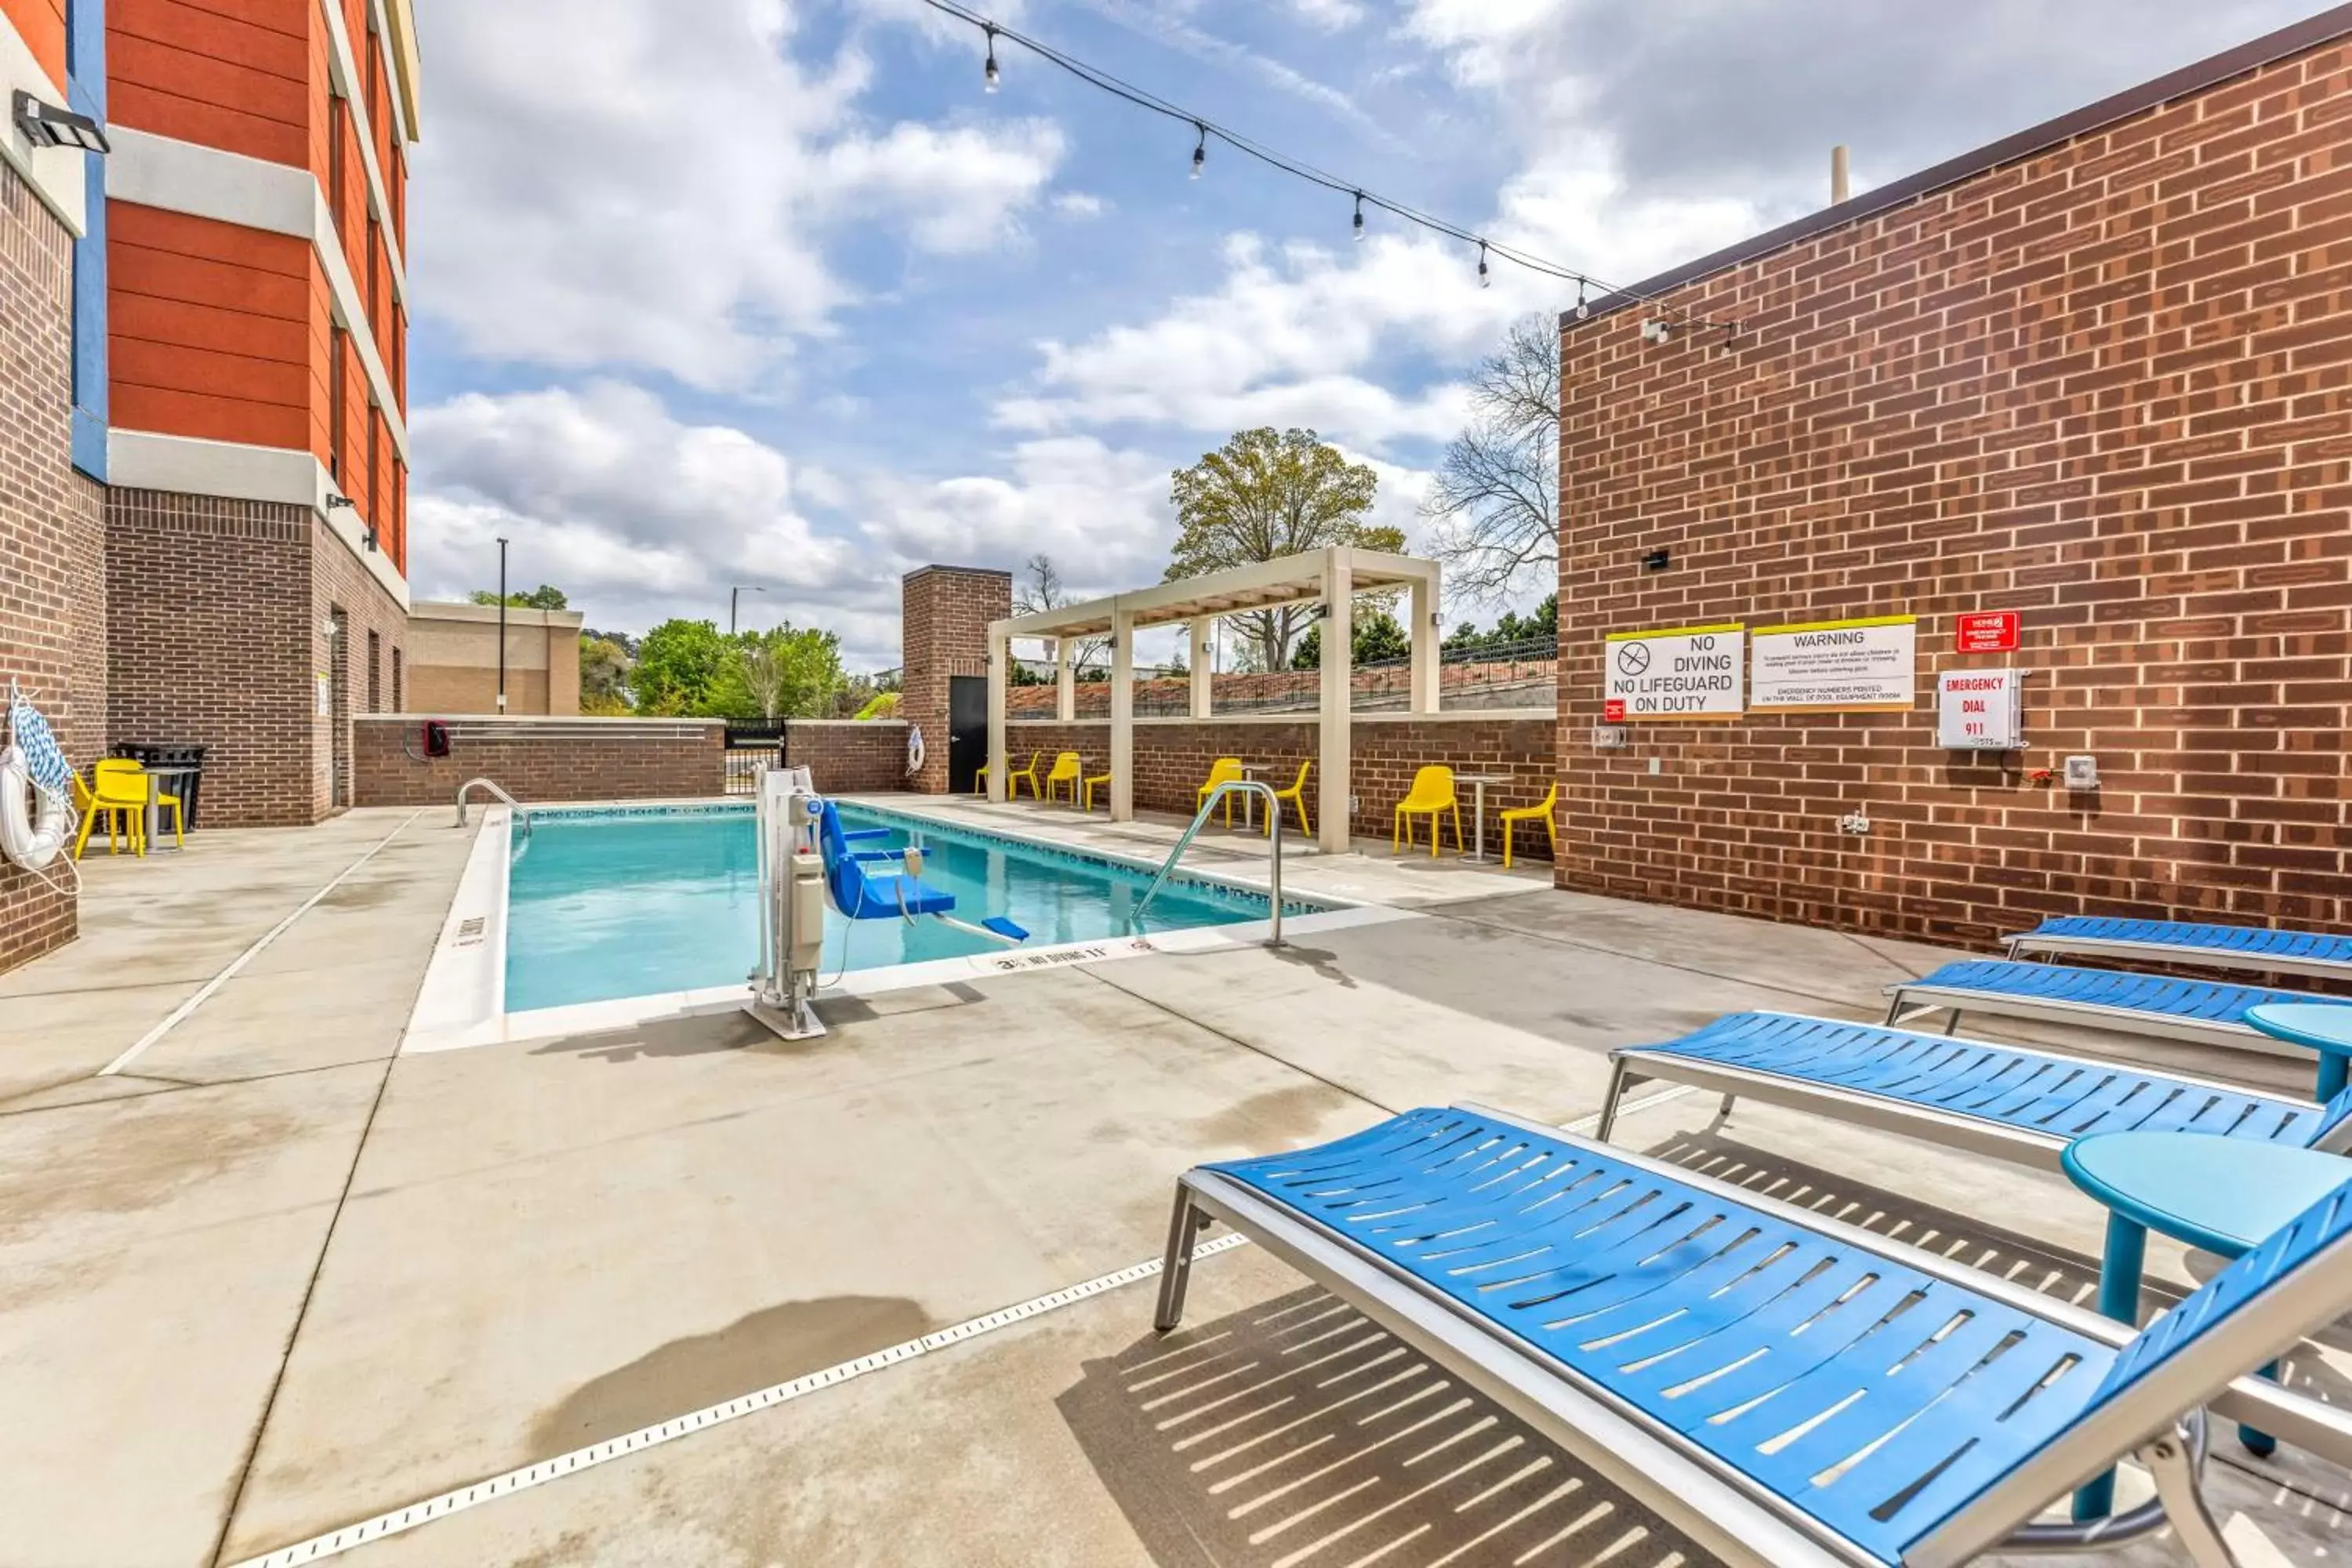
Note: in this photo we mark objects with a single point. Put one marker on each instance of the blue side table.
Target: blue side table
(2224, 1194)
(2325, 1026)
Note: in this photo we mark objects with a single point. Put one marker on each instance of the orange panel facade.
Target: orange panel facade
(42, 25)
(232, 77)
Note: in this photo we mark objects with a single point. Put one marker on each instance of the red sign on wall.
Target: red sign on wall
(1989, 631)
(1612, 713)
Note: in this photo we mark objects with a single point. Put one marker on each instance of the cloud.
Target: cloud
(610, 183)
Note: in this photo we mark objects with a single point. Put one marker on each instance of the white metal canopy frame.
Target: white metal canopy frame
(1332, 576)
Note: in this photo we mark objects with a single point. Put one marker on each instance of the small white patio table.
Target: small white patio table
(1478, 781)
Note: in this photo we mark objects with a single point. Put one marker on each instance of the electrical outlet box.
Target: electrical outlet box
(2081, 772)
(1609, 738)
(1854, 822)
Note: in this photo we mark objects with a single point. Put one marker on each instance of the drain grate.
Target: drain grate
(469, 932)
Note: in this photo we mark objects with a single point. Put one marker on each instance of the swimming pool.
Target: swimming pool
(611, 904)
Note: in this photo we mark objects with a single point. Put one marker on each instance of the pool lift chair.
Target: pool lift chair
(806, 860)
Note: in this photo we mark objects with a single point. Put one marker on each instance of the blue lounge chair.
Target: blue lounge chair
(2016, 1104)
(2205, 1011)
(1784, 1389)
(2178, 941)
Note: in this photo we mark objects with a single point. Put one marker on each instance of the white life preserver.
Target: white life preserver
(914, 749)
(29, 840)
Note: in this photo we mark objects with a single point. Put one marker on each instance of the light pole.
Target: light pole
(734, 599)
(502, 626)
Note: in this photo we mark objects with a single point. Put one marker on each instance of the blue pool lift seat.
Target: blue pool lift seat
(859, 890)
(2181, 941)
(2208, 1012)
(2020, 1105)
(1784, 1388)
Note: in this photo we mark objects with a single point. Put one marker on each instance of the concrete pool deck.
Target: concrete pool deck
(273, 1279)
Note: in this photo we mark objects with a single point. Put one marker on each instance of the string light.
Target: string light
(988, 72)
(1143, 98)
(1581, 308)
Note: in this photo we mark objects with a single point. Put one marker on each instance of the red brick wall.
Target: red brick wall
(340, 583)
(52, 591)
(1501, 683)
(851, 754)
(2105, 385)
(943, 630)
(1172, 758)
(542, 759)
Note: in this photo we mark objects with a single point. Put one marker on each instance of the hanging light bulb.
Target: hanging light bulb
(1200, 152)
(1485, 281)
(988, 72)
(1360, 217)
(1581, 308)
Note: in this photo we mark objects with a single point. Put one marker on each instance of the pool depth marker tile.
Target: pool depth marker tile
(335, 1543)
(179, 1015)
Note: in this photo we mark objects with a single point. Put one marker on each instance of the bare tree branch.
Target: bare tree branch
(1495, 502)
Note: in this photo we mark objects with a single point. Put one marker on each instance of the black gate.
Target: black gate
(967, 731)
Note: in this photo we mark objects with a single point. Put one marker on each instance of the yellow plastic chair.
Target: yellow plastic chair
(125, 814)
(1102, 779)
(119, 778)
(1433, 796)
(980, 779)
(1065, 770)
(1224, 770)
(1013, 777)
(1297, 795)
(1539, 812)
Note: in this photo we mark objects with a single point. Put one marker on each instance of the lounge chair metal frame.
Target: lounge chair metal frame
(1908, 1000)
(1630, 1064)
(1735, 1517)
(2146, 941)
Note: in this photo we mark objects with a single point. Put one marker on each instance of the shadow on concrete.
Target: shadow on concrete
(1297, 1435)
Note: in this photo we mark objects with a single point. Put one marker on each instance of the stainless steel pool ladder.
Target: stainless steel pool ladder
(517, 806)
(1273, 816)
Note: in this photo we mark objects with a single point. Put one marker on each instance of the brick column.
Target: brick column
(943, 633)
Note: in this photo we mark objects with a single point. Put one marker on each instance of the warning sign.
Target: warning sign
(1987, 631)
(1697, 672)
(1979, 710)
(1832, 666)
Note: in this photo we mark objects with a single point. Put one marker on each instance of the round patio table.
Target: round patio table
(2224, 1194)
(2325, 1026)
(1478, 781)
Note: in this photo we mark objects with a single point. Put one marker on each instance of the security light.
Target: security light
(46, 125)
(336, 502)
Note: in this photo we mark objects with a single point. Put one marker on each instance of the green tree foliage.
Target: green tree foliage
(1267, 494)
(678, 666)
(544, 598)
(778, 674)
(603, 676)
(1542, 624)
(1372, 635)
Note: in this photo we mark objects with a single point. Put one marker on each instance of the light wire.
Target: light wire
(1144, 99)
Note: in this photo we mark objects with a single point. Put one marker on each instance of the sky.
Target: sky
(770, 293)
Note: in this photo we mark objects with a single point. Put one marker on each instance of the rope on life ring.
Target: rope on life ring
(914, 750)
(29, 839)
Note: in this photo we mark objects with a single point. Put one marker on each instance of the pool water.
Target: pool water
(602, 907)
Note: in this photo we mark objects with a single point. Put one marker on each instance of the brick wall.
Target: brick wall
(342, 587)
(1172, 757)
(2105, 385)
(851, 754)
(52, 598)
(541, 759)
(1504, 683)
(943, 631)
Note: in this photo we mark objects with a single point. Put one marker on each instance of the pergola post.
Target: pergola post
(1334, 765)
(1425, 644)
(1000, 678)
(1065, 680)
(1201, 635)
(1122, 714)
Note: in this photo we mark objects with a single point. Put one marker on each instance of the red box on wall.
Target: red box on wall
(1989, 631)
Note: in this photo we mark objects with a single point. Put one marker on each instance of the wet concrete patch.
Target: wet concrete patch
(773, 1345)
(1280, 1116)
(135, 1159)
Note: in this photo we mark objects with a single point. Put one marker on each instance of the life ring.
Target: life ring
(914, 750)
(31, 841)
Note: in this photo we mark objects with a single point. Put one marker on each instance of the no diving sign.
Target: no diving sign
(1696, 672)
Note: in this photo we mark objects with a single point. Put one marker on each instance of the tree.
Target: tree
(1042, 590)
(1372, 635)
(1262, 496)
(544, 598)
(1495, 498)
(1542, 626)
(679, 665)
(603, 676)
(778, 674)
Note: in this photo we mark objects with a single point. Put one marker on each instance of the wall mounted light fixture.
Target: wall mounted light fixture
(46, 125)
(1657, 561)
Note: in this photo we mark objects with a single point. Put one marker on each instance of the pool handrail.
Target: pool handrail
(1208, 802)
(513, 805)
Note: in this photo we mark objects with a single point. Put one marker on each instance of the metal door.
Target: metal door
(967, 730)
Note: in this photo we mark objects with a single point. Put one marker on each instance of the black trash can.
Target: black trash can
(188, 786)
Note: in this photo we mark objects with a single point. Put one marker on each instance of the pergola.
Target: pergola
(1333, 576)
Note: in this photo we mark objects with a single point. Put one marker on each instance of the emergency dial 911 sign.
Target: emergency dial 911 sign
(1696, 672)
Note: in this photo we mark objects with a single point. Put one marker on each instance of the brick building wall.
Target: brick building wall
(52, 599)
(1172, 757)
(850, 755)
(2102, 384)
(537, 759)
(219, 637)
(943, 628)
(1512, 683)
